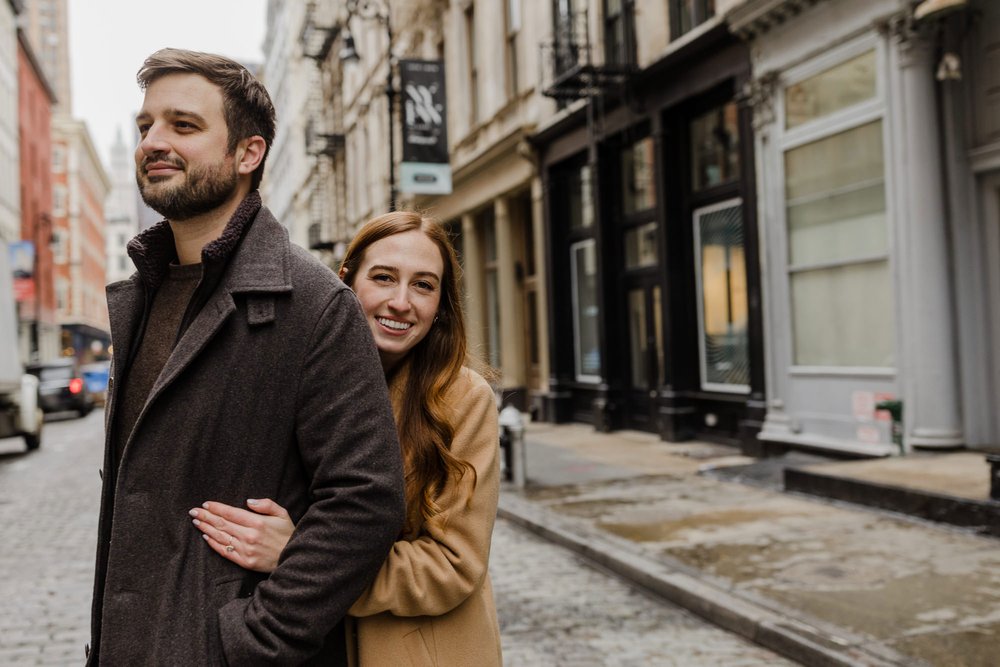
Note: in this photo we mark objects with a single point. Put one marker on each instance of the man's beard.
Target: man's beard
(204, 190)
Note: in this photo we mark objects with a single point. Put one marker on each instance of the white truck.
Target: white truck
(20, 414)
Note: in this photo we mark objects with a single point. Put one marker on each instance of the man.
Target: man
(243, 368)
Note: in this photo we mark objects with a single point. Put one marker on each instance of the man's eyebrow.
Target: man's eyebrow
(175, 113)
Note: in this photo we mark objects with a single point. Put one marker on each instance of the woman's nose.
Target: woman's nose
(398, 300)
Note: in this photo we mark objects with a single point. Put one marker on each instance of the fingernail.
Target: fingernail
(196, 522)
(251, 501)
(193, 513)
(205, 537)
(205, 505)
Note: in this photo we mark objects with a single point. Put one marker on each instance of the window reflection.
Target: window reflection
(715, 147)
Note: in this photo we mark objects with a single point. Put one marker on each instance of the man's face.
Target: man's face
(183, 167)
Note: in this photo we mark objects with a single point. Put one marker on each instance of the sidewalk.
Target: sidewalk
(821, 581)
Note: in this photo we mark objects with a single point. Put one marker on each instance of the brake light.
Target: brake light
(75, 386)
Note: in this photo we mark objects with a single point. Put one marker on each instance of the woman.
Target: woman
(431, 603)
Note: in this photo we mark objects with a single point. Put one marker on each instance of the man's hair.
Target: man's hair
(246, 104)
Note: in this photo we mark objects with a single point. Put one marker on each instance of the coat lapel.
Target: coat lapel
(125, 306)
(259, 265)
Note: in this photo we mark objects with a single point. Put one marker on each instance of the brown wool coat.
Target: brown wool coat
(276, 391)
(432, 603)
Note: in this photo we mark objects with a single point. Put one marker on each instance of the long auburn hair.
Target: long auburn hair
(422, 419)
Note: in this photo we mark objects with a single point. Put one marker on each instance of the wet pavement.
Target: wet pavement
(821, 581)
(555, 610)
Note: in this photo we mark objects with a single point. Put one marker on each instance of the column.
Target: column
(537, 227)
(474, 294)
(511, 305)
(928, 361)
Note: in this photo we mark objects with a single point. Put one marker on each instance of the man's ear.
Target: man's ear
(342, 274)
(250, 153)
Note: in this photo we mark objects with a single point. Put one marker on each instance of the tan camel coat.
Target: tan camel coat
(432, 602)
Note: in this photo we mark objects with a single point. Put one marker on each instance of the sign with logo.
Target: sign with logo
(425, 168)
(22, 262)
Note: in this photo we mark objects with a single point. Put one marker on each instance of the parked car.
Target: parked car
(20, 414)
(61, 387)
(95, 378)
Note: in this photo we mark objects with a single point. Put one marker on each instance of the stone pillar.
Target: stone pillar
(475, 295)
(511, 305)
(537, 227)
(928, 361)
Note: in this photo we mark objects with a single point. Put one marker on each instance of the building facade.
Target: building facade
(80, 188)
(877, 151)
(46, 23)
(286, 74)
(121, 212)
(39, 327)
(495, 209)
(10, 205)
(655, 309)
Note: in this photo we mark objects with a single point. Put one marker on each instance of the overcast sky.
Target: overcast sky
(109, 39)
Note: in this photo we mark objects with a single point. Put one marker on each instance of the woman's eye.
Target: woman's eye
(382, 277)
(425, 286)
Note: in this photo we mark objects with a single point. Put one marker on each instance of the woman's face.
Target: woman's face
(399, 286)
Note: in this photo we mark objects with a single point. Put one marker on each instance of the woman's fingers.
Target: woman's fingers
(240, 517)
(267, 506)
(227, 551)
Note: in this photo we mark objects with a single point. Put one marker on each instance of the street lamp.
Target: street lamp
(378, 11)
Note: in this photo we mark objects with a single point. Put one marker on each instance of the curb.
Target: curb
(780, 633)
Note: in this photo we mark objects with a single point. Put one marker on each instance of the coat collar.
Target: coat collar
(153, 250)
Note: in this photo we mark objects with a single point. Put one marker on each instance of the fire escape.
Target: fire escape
(324, 135)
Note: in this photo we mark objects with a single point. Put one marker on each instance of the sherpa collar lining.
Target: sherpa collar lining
(153, 250)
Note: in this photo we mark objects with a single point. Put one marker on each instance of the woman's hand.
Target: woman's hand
(253, 540)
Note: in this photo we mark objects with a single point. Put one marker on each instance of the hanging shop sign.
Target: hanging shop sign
(425, 168)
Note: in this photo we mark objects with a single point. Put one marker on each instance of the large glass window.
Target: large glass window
(513, 16)
(839, 275)
(583, 270)
(581, 198)
(831, 90)
(618, 32)
(638, 184)
(715, 147)
(723, 311)
(686, 14)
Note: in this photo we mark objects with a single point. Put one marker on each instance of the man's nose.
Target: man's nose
(154, 141)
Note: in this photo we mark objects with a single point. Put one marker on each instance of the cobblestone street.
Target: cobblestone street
(48, 509)
(554, 609)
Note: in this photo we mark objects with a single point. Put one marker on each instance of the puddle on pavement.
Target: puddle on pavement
(892, 608)
(592, 508)
(667, 530)
(969, 647)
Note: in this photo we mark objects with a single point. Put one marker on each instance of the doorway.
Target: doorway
(644, 308)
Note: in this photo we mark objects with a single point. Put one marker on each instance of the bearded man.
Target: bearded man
(243, 368)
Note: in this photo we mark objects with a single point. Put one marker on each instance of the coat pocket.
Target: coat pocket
(417, 649)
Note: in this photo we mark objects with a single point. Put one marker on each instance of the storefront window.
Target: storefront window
(831, 90)
(638, 184)
(722, 297)
(581, 199)
(583, 268)
(715, 147)
(838, 250)
(640, 246)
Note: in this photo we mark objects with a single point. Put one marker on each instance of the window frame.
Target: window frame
(842, 120)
